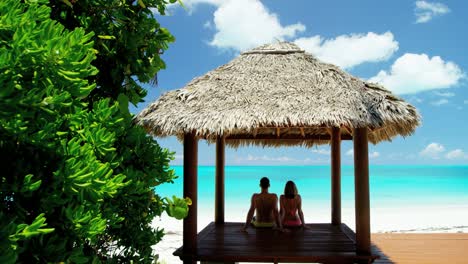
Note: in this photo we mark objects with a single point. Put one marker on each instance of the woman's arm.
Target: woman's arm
(299, 210)
(282, 210)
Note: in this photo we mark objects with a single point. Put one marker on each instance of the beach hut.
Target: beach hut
(277, 95)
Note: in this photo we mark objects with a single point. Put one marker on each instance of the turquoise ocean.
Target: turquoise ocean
(393, 186)
(403, 198)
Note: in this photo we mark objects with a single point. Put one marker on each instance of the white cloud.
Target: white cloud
(401, 156)
(321, 151)
(415, 99)
(265, 159)
(432, 150)
(347, 51)
(425, 11)
(268, 158)
(456, 154)
(208, 25)
(245, 24)
(440, 102)
(190, 5)
(435, 150)
(394, 156)
(372, 155)
(412, 73)
(447, 94)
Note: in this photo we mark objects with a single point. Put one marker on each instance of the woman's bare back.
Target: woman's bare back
(290, 205)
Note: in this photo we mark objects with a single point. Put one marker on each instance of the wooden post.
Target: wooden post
(361, 184)
(220, 162)
(336, 175)
(190, 190)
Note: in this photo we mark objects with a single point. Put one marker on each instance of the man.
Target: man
(266, 205)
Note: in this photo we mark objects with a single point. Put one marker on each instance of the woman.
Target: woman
(291, 207)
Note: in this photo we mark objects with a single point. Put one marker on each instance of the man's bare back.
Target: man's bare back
(265, 204)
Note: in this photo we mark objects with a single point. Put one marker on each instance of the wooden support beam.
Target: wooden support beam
(255, 132)
(302, 132)
(220, 163)
(190, 190)
(278, 132)
(361, 183)
(336, 175)
(348, 129)
(284, 137)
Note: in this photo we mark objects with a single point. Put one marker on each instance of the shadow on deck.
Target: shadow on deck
(321, 243)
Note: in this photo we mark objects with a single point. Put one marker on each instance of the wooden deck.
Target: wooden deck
(322, 243)
(421, 248)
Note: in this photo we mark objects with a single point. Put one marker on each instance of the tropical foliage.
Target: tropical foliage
(78, 177)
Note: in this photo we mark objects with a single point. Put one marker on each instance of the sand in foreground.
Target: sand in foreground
(415, 248)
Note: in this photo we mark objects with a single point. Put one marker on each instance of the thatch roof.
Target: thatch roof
(278, 92)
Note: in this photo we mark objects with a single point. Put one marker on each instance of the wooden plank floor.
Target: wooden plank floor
(320, 243)
(421, 248)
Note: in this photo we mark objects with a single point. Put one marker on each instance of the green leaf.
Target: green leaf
(177, 207)
(106, 37)
(34, 229)
(67, 3)
(28, 185)
(123, 103)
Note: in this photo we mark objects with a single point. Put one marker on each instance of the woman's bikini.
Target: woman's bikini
(292, 213)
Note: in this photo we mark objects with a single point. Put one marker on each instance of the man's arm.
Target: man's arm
(250, 213)
(276, 214)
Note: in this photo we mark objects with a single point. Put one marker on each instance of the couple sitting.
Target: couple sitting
(266, 205)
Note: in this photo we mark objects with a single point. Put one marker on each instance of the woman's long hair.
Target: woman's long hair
(290, 190)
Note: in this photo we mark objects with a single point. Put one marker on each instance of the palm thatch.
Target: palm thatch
(278, 95)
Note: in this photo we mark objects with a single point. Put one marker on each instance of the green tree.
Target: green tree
(77, 177)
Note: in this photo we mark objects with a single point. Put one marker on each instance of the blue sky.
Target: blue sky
(417, 49)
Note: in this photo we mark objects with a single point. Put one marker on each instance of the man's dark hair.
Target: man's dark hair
(264, 183)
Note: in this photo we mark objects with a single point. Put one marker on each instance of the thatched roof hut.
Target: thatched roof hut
(278, 91)
(271, 96)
